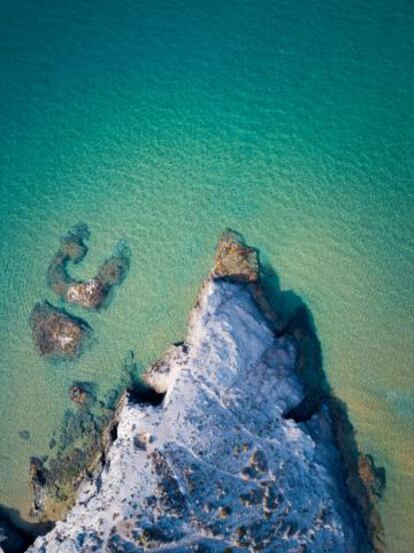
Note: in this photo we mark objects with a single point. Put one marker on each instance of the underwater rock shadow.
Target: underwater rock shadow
(290, 316)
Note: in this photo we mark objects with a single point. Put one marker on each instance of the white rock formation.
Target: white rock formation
(216, 466)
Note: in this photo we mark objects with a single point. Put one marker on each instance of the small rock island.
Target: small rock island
(234, 455)
(56, 333)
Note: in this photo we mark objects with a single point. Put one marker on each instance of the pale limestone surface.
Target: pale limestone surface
(216, 465)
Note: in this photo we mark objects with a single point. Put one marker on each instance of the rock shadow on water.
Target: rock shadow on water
(363, 480)
(96, 292)
(289, 316)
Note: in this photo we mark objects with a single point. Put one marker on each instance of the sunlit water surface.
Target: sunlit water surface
(162, 123)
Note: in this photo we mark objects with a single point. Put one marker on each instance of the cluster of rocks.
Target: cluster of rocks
(238, 454)
(80, 444)
(78, 447)
(55, 331)
(77, 450)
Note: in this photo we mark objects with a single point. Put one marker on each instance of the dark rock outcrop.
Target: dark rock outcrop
(235, 260)
(56, 333)
(89, 294)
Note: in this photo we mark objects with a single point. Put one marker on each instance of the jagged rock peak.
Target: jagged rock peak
(234, 260)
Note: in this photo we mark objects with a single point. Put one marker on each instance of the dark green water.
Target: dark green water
(164, 122)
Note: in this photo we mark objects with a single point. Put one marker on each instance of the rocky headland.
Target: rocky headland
(236, 445)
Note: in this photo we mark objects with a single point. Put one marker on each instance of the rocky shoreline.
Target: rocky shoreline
(236, 445)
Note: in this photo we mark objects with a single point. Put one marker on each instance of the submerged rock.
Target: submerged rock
(83, 393)
(73, 244)
(83, 439)
(57, 333)
(92, 293)
(113, 270)
(78, 448)
(219, 465)
(78, 395)
(72, 249)
(38, 476)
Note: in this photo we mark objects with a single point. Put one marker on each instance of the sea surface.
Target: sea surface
(163, 122)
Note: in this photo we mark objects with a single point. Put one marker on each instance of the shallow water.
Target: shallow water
(162, 124)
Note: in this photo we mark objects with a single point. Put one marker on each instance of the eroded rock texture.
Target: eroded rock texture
(219, 465)
(56, 333)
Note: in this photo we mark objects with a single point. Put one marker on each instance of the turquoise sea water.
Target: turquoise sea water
(163, 122)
